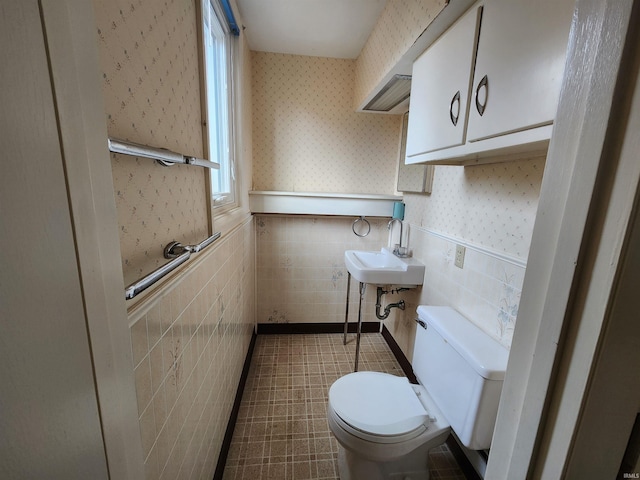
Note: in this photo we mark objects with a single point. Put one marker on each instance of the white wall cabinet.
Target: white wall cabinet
(516, 60)
(440, 88)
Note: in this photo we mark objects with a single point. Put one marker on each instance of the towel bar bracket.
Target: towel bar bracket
(175, 249)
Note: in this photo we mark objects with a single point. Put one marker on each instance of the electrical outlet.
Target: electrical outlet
(459, 256)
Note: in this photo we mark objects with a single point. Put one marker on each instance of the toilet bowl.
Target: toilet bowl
(379, 419)
(386, 426)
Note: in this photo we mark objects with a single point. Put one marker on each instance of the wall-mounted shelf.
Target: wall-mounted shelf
(300, 203)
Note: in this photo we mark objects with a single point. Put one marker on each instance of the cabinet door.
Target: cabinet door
(519, 65)
(440, 89)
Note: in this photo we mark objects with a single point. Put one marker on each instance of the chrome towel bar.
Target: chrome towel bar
(174, 250)
(162, 156)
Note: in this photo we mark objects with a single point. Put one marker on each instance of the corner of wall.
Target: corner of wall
(398, 27)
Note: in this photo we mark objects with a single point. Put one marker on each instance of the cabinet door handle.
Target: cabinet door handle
(483, 83)
(454, 118)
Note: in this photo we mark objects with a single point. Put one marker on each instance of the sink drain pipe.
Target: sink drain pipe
(387, 309)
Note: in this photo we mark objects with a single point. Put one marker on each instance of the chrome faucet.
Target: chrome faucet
(399, 250)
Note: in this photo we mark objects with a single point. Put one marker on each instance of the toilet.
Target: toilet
(385, 426)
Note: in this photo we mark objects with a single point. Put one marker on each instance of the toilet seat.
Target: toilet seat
(379, 404)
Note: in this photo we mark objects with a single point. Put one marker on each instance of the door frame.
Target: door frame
(575, 302)
(74, 67)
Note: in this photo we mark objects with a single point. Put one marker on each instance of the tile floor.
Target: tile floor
(281, 431)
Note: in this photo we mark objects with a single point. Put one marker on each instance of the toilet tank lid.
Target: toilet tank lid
(483, 353)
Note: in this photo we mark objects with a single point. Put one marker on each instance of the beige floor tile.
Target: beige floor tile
(281, 431)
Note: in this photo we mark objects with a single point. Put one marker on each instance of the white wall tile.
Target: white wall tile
(302, 277)
(197, 359)
(486, 290)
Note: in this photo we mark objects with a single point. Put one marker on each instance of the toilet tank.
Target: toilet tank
(462, 368)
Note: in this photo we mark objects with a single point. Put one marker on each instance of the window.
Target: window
(218, 100)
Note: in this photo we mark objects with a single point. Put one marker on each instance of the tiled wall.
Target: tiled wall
(307, 136)
(399, 25)
(301, 273)
(189, 343)
(486, 290)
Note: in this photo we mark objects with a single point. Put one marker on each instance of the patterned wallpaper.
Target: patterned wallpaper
(399, 25)
(149, 61)
(306, 135)
(489, 205)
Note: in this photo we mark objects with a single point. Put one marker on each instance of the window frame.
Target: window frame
(228, 164)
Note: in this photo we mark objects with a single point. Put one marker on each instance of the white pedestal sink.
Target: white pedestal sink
(384, 268)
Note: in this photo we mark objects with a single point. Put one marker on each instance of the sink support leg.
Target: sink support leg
(362, 289)
(346, 313)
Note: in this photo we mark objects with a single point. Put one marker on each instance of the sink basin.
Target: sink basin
(384, 268)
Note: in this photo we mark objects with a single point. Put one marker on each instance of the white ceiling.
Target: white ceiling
(321, 28)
